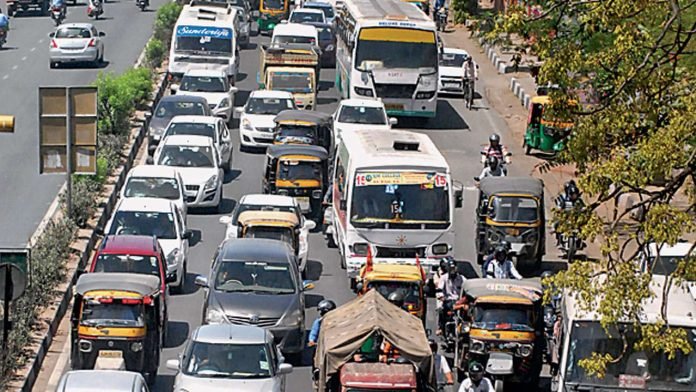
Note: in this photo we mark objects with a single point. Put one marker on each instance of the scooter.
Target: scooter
(570, 244)
(95, 8)
(142, 4)
(441, 19)
(57, 15)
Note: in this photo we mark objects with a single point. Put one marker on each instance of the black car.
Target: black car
(327, 43)
(167, 108)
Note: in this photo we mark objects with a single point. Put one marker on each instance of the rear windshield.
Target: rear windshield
(292, 39)
(169, 109)
(195, 129)
(73, 32)
(144, 265)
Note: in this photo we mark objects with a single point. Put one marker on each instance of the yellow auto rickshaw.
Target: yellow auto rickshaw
(304, 127)
(117, 318)
(271, 13)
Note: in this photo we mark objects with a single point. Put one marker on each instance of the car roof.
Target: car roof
(99, 380)
(296, 29)
(455, 51)
(270, 94)
(205, 72)
(152, 171)
(263, 199)
(308, 10)
(188, 140)
(229, 333)
(125, 244)
(195, 119)
(676, 250)
(183, 98)
(370, 103)
(255, 249)
(81, 25)
(144, 204)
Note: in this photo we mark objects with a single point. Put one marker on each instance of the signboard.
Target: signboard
(16, 263)
(61, 108)
(204, 31)
(400, 178)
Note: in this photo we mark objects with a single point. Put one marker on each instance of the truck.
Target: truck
(293, 68)
(349, 354)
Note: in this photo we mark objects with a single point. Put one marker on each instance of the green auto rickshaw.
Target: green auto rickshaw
(271, 13)
(543, 133)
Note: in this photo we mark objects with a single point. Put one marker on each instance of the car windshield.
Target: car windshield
(73, 32)
(186, 156)
(306, 17)
(386, 47)
(299, 170)
(227, 360)
(296, 82)
(292, 39)
(116, 314)
(259, 207)
(296, 134)
(145, 265)
(328, 11)
(653, 371)
(254, 276)
(452, 60)
(273, 4)
(408, 290)
(496, 317)
(157, 187)
(325, 34)
(665, 265)
(362, 115)
(169, 109)
(284, 234)
(514, 209)
(158, 224)
(268, 106)
(201, 84)
(381, 198)
(194, 129)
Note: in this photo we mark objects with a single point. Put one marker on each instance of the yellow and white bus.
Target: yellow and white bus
(388, 49)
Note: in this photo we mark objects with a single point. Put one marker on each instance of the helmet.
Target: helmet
(396, 298)
(433, 345)
(452, 267)
(475, 371)
(571, 189)
(494, 139)
(505, 244)
(325, 306)
(501, 252)
(492, 162)
(546, 274)
(443, 263)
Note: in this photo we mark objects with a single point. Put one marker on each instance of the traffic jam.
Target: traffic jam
(364, 182)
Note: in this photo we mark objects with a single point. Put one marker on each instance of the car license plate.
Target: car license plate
(452, 84)
(303, 202)
(393, 106)
(111, 354)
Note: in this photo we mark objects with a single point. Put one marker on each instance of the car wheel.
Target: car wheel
(52, 64)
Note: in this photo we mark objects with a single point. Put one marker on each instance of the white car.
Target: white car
(670, 257)
(228, 357)
(354, 114)
(160, 218)
(161, 182)
(197, 159)
(212, 127)
(256, 116)
(295, 33)
(451, 71)
(256, 202)
(307, 15)
(212, 85)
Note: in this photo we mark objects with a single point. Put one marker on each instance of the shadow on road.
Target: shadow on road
(241, 76)
(190, 286)
(231, 175)
(314, 269)
(227, 206)
(447, 117)
(196, 237)
(241, 96)
(312, 300)
(164, 382)
(177, 333)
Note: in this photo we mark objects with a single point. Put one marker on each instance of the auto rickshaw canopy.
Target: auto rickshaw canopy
(268, 218)
(297, 152)
(503, 291)
(527, 186)
(392, 272)
(117, 285)
(304, 118)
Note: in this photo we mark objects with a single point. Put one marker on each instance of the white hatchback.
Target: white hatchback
(451, 71)
(355, 114)
(256, 116)
(212, 127)
(212, 85)
(307, 15)
(160, 182)
(198, 161)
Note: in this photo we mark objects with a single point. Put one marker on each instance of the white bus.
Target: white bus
(388, 49)
(205, 37)
(632, 369)
(393, 196)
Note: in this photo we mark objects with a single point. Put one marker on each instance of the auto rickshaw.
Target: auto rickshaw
(544, 134)
(300, 172)
(117, 317)
(271, 13)
(388, 277)
(511, 209)
(304, 127)
(504, 330)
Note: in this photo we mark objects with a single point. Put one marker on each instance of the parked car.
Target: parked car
(452, 71)
(161, 182)
(170, 106)
(230, 358)
(162, 219)
(197, 159)
(102, 380)
(325, 7)
(304, 15)
(354, 114)
(257, 282)
(256, 116)
(212, 85)
(76, 43)
(327, 43)
(212, 127)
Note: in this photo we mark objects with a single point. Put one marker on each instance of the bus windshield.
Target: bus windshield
(632, 368)
(204, 40)
(383, 47)
(399, 197)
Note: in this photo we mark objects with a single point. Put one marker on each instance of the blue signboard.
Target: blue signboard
(204, 31)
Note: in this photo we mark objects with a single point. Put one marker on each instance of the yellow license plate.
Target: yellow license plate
(111, 354)
(393, 106)
(303, 202)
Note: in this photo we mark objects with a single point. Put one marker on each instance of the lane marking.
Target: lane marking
(14, 67)
(24, 58)
(32, 49)
(5, 77)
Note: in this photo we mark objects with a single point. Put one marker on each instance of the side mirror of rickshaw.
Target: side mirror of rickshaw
(187, 234)
(201, 281)
(173, 364)
(393, 121)
(310, 225)
(225, 220)
(307, 285)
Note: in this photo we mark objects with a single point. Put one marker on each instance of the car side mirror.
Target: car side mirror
(285, 368)
(187, 234)
(239, 109)
(307, 285)
(233, 89)
(173, 89)
(393, 121)
(52, 34)
(150, 161)
(171, 278)
(310, 225)
(173, 364)
(102, 34)
(201, 281)
(225, 220)
(284, 21)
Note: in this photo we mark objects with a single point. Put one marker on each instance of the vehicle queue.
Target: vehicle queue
(385, 198)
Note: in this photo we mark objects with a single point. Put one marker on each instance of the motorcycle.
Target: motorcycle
(570, 244)
(449, 334)
(94, 9)
(441, 19)
(142, 4)
(57, 15)
(503, 155)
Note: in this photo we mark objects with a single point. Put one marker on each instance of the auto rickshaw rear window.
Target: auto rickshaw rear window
(514, 209)
(299, 170)
(95, 313)
(409, 290)
(146, 265)
(273, 4)
(272, 233)
(503, 317)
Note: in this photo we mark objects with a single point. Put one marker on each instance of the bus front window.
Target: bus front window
(396, 48)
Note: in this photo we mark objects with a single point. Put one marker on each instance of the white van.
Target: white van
(295, 33)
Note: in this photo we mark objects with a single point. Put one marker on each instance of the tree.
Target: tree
(635, 137)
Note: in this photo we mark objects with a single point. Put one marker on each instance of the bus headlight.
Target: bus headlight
(440, 249)
(525, 350)
(360, 249)
(365, 92)
(136, 347)
(85, 346)
(316, 194)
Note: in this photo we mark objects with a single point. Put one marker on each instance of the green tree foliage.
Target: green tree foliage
(165, 21)
(119, 96)
(632, 65)
(154, 53)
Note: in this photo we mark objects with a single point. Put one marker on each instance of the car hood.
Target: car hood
(212, 98)
(456, 72)
(250, 304)
(222, 384)
(196, 175)
(168, 245)
(261, 120)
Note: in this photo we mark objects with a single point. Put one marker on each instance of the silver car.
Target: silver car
(102, 380)
(230, 358)
(76, 43)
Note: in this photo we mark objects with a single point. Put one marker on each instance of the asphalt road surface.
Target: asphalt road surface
(459, 134)
(25, 195)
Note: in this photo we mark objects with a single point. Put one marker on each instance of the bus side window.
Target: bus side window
(340, 179)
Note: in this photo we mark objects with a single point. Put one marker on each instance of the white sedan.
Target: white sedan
(256, 116)
(209, 126)
(451, 71)
(161, 182)
(212, 85)
(197, 159)
(354, 114)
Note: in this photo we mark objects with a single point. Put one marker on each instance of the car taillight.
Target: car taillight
(54, 44)
(92, 42)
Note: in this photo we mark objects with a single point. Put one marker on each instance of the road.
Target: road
(459, 134)
(23, 68)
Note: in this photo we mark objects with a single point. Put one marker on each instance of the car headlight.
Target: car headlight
(477, 346)
(171, 257)
(224, 103)
(246, 124)
(525, 350)
(136, 347)
(214, 316)
(156, 133)
(366, 92)
(360, 249)
(440, 249)
(293, 319)
(329, 48)
(211, 183)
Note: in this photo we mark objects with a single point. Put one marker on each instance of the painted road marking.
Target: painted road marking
(24, 58)
(32, 49)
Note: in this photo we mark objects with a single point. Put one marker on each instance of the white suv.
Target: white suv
(212, 85)
(212, 127)
(256, 116)
(354, 114)
(161, 182)
(160, 218)
(198, 161)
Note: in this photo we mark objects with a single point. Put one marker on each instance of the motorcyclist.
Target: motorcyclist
(324, 307)
(502, 266)
(476, 382)
(567, 200)
(4, 23)
(448, 291)
(493, 168)
(59, 4)
(491, 256)
(438, 4)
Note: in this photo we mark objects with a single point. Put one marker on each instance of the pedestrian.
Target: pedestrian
(517, 59)
(476, 382)
(443, 373)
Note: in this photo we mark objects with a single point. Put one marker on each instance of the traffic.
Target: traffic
(260, 187)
